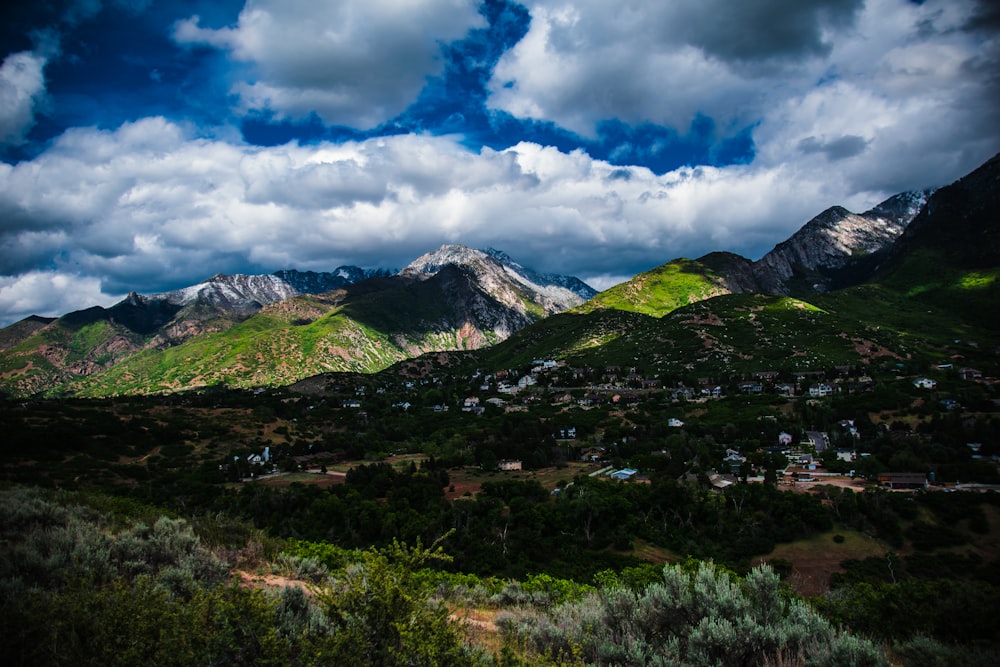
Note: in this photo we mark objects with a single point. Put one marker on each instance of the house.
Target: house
(784, 439)
(751, 387)
(566, 433)
(351, 403)
(970, 374)
(509, 464)
(497, 402)
(591, 454)
(734, 455)
(673, 422)
(721, 482)
(785, 389)
(925, 383)
(820, 390)
(819, 440)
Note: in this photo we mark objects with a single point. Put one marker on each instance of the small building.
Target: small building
(624, 474)
(509, 464)
(819, 440)
(820, 390)
(925, 383)
(902, 480)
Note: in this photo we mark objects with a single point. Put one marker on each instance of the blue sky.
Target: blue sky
(146, 146)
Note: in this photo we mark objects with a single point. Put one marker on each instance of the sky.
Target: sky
(146, 146)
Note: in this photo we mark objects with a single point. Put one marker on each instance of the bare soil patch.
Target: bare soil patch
(814, 560)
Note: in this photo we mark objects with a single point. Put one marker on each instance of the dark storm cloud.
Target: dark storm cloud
(836, 149)
(763, 29)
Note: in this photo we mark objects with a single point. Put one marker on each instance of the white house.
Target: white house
(925, 383)
(820, 389)
(673, 422)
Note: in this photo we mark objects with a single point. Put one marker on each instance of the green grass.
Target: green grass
(661, 290)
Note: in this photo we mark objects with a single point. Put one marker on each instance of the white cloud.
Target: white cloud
(49, 294)
(352, 62)
(644, 60)
(877, 88)
(22, 88)
(150, 207)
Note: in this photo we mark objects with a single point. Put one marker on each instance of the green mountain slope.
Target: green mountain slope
(737, 335)
(364, 328)
(949, 257)
(56, 351)
(661, 290)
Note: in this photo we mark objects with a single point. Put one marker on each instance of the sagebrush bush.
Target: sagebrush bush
(705, 617)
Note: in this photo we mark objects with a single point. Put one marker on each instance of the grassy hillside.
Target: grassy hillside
(931, 277)
(661, 290)
(363, 330)
(745, 333)
(61, 350)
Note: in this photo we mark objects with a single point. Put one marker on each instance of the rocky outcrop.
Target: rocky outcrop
(832, 241)
(513, 285)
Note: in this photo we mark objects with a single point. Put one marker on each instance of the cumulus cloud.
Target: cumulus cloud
(22, 89)
(661, 62)
(824, 80)
(150, 206)
(353, 62)
(48, 294)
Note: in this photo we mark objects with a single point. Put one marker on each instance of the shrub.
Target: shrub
(702, 617)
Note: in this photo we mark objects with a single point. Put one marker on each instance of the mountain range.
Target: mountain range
(931, 248)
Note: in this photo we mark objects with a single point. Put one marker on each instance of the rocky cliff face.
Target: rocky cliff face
(236, 293)
(831, 241)
(312, 282)
(511, 284)
(483, 308)
(735, 271)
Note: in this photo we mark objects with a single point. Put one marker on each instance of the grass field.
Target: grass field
(815, 559)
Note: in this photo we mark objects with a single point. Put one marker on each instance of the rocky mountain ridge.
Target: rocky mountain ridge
(505, 279)
(831, 240)
(456, 298)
